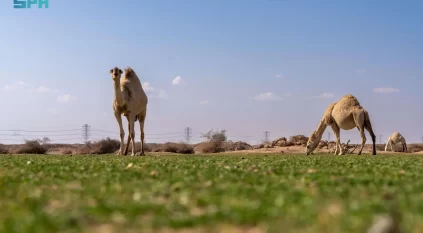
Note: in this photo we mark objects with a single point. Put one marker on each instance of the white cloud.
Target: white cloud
(325, 95)
(8, 88)
(43, 89)
(289, 94)
(66, 98)
(152, 92)
(204, 102)
(279, 76)
(268, 96)
(386, 90)
(176, 80)
(15, 86)
(22, 83)
(147, 87)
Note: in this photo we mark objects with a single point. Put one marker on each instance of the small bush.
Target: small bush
(181, 148)
(3, 149)
(236, 146)
(105, 146)
(31, 147)
(209, 147)
(215, 142)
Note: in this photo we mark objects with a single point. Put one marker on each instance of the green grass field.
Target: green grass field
(208, 193)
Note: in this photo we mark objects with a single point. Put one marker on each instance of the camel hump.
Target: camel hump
(130, 74)
(349, 100)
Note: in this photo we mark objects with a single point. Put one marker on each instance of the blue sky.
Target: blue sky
(244, 65)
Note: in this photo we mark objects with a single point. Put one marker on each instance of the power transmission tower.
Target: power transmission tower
(188, 134)
(266, 136)
(328, 136)
(380, 139)
(86, 132)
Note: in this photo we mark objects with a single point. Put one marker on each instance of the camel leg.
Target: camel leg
(129, 138)
(387, 143)
(404, 145)
(359, 118)
(363, 140)
(369, 128)
(391, 147)
(122, 132)
(336, 131)
(132, 132)
(141, 119)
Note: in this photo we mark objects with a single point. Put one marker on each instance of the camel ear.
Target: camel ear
(120, 71)
(111, 71)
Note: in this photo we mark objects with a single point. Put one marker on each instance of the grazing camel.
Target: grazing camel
(346, 114)
(131, 101)
(396, 138)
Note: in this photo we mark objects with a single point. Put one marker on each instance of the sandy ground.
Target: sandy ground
(300, 150)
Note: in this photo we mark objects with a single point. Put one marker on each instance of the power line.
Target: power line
(38, 131)
(110, 132)
(38, 135)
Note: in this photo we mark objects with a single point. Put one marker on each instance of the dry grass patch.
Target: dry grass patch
(3, 149)
(31, 147)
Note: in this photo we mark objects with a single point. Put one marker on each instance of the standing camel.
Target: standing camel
(131, 101)
(396, 138)
(346, 114)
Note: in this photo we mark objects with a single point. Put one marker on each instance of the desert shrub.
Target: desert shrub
(207, 147)
(181, 148)
(3, 149)
(215, 142)
(105, 146)
(235, 146)
(31, 147)
(298, 140)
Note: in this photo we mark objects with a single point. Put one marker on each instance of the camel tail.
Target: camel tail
(368, 126)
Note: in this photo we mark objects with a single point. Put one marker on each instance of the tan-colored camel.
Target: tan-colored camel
(131, 101)
(396, 138)
(346, 114)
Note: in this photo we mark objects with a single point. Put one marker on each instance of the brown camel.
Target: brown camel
(131, 101)
(346, 114)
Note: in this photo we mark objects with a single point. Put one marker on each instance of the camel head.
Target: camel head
(116, 73)
(312, 143)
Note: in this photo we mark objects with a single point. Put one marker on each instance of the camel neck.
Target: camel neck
(118, 92)
(321, 128)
